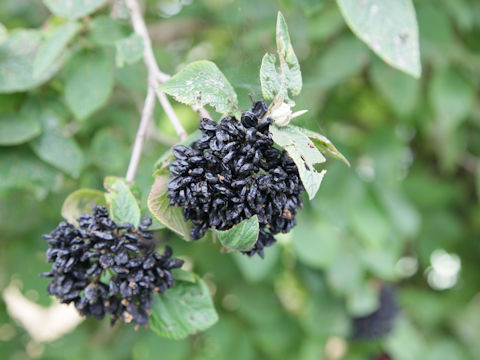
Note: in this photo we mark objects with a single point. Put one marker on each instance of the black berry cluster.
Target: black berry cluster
(105, 268)
(234, 172)
(380, 322)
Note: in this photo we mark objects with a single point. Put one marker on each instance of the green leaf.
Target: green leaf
(60, 151)
(202, 83)
(452, 97)
(256, 269)
(73, 9)
(269, 78)
(105, 31)
(17, 54)
(3, 32)
(17, 128)
(129, 50)
(389, 28)
(241, 237)
(22, 170)
(289, 66)
(304, 153)
(121, 202)
(170, 216)
(184, 310)
(322, 143)
(80, 202)
(362, 301)
(51, 49)
(89, 83)
(399, 89)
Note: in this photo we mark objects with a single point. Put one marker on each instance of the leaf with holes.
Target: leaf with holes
(121, 202)
(304, 153)
(202, 83)
(241, 237)
(80, 202)
(129, 50)
(389, 28)
(159, 206)
(74, 9)
(322, 143)
(184, 310)
(51, 49)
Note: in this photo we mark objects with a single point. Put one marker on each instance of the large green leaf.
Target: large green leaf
(129, 50)
(121, 202)
(80, 202)
(74, 9)
(202, 83)
(89, 83)
(17, 54)
(304, 153)
(51, 49)
(17, 128)
(59, 151)
(184, 310)
(241, 237)
(21, 170)
(389, 28)
(159, 206)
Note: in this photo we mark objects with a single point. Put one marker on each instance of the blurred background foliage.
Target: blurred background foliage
(407, 211)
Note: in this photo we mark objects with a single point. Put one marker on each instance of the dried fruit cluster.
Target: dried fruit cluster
(380, 322)
(108, 269)
(234, 172)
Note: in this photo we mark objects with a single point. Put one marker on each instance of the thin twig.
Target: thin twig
(147, 113)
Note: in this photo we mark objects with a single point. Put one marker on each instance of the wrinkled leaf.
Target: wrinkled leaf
(389, 28)
(322, 143)
(17, 128)
(170, 216)
(17, 54)
(51, 49)
(304, 153)
(80, 202)
(74, 9)
(184, 310)
(269, 78)
(122, 204)
(241, 237)
(59, 151)
(89, 83)
(202, 83)
(129, 50)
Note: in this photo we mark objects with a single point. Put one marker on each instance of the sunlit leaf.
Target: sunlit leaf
(121, 202)
(80, 202)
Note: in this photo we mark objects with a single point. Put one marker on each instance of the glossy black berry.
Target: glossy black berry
(234, 172)
(108, 269)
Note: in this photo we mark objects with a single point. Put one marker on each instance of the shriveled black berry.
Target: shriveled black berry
(81, 256)
(380, 322)
(234, 172)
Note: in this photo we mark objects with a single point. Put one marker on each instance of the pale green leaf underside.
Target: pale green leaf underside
(170, 216)
(129, 50)
(17, 54)
(202, 83)
(59, 151)
(389, 28)
(121, 202)
(17, 128)
(73, 9)
(269, 77)
(304, 153)
(184, 310)
(80, 202)
(241, 237)
(52, 47)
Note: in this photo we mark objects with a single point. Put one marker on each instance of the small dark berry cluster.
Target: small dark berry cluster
(380, 322)
(234, 172)
(105, 268)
